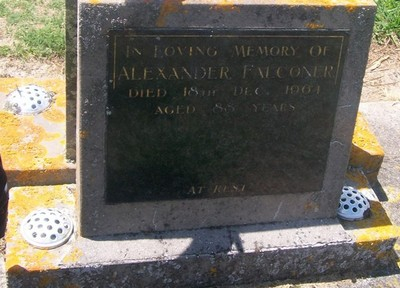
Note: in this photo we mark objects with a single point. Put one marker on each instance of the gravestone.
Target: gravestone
(196, 114)
(212, 142)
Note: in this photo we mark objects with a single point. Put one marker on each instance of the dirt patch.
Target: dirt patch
(35, 68)
(382, 77)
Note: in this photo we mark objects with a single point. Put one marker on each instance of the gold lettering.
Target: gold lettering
(223, 108)
(329, 72)
(232, 188)
(243, 91)
(217, 73)
(194, 92)
(260, 107)
(192, 190)
(307, 72)
(161, 74)
(158, 111)
(279, 72)
(302, 89)
(263, 71)
(274, 51)
(173, 51)
(239, 188)
(219, 189)
(132, 51)
(250, 51)
(263, 51)
(147, 93)
(155, 51)
(285, 51)
(293, 72)
(317, 51)
(175, 73)
(196, 190)
(123, 73)
(224, 73)
(246, 69)
(169, 51)
(177, 110)
(186, 73)
(239, 52)
(212, 73)
(283, 107)
(147, 73)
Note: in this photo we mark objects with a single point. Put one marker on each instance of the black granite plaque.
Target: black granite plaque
(214, 113)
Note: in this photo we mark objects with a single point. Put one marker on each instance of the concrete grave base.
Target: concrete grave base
(193, 258)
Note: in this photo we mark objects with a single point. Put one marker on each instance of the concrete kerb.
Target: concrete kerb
(221, 256)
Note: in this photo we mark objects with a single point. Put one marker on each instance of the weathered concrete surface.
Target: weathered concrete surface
(33, 146)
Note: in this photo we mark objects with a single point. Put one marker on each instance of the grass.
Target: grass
(35, 27)
(387, 21)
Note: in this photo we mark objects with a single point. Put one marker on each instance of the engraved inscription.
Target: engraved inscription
(208, 114)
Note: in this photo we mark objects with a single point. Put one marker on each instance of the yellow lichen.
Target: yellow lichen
(366, 151)
(225, 5)
(168, 7)
(83, 134)
(20, 255)
(19, 134)
(364, 138)
(313, 25)
(54, 115)
(359, 178)
(351, 8)
(376, 228)
(23, 137)
(73, 256)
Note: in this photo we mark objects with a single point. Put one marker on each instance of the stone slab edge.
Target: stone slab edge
(106, 262)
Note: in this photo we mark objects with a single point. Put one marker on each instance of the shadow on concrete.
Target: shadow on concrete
(380, 192)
